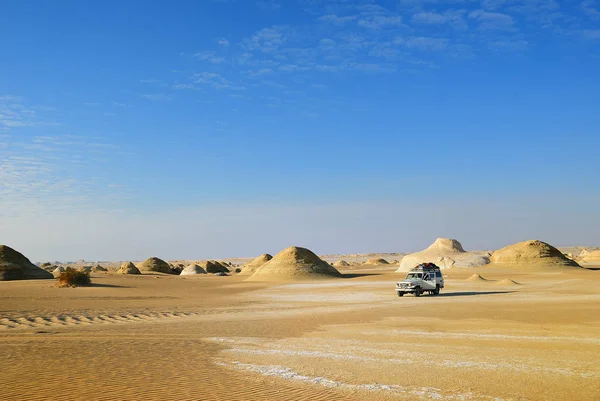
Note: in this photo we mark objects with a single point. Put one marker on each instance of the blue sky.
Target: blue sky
(240, 127)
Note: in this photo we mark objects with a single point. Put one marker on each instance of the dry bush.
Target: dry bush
(73, 278)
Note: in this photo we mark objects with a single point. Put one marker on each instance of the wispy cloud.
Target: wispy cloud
(157, 97)
(424, 43)
(376, 17)
(151, 81)
(266, 40)
(47, 174)
(15, 112)
(451, 17)
(210, 57)
(589, 8)
(215, 80)
(366, 37)
(337, 20)
(492, 21)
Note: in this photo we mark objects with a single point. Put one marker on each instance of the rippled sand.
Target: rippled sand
(220, 338)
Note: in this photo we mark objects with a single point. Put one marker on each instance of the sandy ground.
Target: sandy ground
(220, 338)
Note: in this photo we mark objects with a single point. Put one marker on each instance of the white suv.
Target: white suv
(426, 277)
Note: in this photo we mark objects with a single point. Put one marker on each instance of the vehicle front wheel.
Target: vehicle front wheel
(417, 292)
(437, 290)
(400, 294)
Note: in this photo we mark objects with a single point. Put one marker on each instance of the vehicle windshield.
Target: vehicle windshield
(414, 276)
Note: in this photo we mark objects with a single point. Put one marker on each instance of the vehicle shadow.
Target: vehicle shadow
(469, 293)
(355, 275)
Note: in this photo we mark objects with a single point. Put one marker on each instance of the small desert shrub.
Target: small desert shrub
(73, 278)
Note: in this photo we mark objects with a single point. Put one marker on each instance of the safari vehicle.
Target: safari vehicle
(426, 277)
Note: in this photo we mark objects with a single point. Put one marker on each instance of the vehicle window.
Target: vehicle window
(438, 274)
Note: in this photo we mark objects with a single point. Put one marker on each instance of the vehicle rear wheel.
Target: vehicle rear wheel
(400, 294)
(417, 292)
(437, 290)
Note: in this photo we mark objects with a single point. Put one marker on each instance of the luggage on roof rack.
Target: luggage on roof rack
(426, 266)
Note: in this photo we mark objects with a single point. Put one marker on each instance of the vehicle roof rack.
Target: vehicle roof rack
(426, 266)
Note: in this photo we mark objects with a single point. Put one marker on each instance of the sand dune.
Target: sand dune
(476, 277)
(507, 282)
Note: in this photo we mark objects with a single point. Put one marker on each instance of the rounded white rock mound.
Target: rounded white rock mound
(192, 270)
(446, 253)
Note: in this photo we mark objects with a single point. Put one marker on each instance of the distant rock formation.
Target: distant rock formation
(295, 263)
(192, 269)
(376, 262)
(15, 266)
(532, 253)
(446, 253)
(257, 262)
(590, 258)
(155, 264)
(128, 268)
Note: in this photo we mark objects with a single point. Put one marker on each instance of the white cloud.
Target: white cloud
(260, 72)
(380, 21)
(211, 57)
(337, 20)
(424, 43)
(151, 81)
(15, 113)
(492, 21)
(215, 80)
(47, 174)
(267, 40)
(510, 45)
(451, 17)
(223, 42)
(157, 97)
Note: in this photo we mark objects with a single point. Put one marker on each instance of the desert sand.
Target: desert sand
(496, 332)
